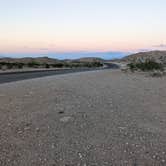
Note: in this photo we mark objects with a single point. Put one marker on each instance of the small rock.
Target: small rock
(52, 146)
(27, 128)
(20, 132)
(9, 124)
(163, 161)
(80, 155)
(37, 129)
(65, 119)
(122, 128)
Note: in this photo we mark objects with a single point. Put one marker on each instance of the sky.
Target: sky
(67, 28)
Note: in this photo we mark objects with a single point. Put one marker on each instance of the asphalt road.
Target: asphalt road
(17, 76)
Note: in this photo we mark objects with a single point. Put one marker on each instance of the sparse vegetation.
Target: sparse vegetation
(46, 65)
(33, 64)
(7, 65)
(148, 65)
(60, 64)
(57, 65)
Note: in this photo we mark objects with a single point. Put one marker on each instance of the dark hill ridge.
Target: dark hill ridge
(47, 60)
(90, 59)
(29, 60)
(158, 56)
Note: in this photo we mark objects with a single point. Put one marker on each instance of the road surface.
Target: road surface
(17, 76)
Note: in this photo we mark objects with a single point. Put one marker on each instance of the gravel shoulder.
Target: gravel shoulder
(96, 118)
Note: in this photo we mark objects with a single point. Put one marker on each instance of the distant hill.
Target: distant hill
(158, 56)
(48, 60)
(89, 59)
(29, 60)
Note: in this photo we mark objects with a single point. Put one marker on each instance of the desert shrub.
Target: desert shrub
(9, 65)
(97, 64)
(66, 64)
(88, 64)
(47, 66)
(58, 65)
(33, 64)
(18, 65)
(132, 66)
(146, 66)
(76, 65)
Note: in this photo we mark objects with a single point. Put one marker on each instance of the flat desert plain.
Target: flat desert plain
(96, 118)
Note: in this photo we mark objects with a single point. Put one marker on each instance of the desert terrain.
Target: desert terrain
(95, 118)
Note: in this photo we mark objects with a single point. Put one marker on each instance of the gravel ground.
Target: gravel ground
(98, 118)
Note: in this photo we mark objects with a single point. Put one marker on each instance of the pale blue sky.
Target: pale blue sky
(43, 26)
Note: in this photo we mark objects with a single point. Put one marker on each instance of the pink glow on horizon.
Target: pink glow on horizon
(34, 47)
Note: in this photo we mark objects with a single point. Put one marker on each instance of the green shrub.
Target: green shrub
(47, 66)
(148, 65)
(58, 65)
(9, 65)
(18, 65)
(33, 64)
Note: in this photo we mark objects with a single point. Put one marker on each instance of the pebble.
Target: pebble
(52, 146)
(163, 161)
(66, 119)
(19, 132)
(37, 129)
(80, 155)
(9, 124)
(27, 128)
(154, 156)
(122, 128)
